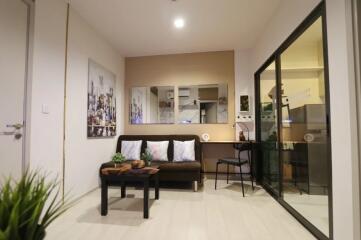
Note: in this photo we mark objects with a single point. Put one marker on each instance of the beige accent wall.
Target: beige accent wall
(180, 70)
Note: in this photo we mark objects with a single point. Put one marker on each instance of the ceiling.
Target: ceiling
(145, 27)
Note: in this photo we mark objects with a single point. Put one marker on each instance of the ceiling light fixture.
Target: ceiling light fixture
(179, 23)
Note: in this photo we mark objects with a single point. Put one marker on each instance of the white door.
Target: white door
(13, 64)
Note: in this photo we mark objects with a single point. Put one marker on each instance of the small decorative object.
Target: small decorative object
(136, 164)
(244, 103)
(222, 100)
(24, 211)
(241, 136)
(205, 137)
(118, 158)
(147, 157)
(244, 126)
(309, 137)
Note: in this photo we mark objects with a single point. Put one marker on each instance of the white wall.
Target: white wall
(84, 156)
(290, 14)
(343, 126)
(244, 85)
(46, 130)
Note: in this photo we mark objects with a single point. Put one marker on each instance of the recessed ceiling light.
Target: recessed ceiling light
(179, 23)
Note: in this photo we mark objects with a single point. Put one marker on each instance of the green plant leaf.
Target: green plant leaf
(24, 212)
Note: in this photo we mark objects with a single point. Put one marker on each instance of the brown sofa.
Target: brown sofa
(189, 171)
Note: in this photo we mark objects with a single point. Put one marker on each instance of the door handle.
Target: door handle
(17, 135)
(17, 126)
(16, 131)
(7, 133)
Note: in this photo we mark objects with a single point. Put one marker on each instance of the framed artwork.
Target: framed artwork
(101, 121)
(244, 103)
(138, 105)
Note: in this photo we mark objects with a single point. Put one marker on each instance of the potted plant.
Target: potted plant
(118, 158)
(28, 206)
(147, 157)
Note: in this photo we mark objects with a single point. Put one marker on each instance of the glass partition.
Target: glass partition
(304, 127)
(152, 105)
(293, 128)
(203, 104)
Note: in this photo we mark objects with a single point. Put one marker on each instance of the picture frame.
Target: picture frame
(244, 103)
(101, 112)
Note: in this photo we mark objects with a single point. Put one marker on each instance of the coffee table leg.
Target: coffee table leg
(123, 194)
(146, 198)
(104, 198)
(156, 186)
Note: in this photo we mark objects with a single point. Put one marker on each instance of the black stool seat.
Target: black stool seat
(239, 162)
(232, 161)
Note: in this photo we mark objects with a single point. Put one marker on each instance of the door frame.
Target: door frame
(318, 11)
(356, 47)
(27, 84)
(259, 165)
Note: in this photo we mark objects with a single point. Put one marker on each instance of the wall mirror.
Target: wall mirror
(203, 104)
(152, 105)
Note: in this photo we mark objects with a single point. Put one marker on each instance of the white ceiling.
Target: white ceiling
(145, 27)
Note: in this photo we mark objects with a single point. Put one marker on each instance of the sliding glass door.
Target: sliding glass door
(304, 127)
(269, 128)
(293, 128)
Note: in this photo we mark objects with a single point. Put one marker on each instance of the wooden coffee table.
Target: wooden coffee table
(115, 178)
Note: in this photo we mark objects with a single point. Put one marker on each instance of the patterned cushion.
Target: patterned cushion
(183, 151)
(158, 150)
(131, 149)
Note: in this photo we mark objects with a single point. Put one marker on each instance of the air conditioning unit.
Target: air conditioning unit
(170, 95)
(184, 92)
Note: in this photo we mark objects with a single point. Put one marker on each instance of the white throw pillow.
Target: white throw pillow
(178, 147)
(183, 151)
(158, 150)
(131, 149)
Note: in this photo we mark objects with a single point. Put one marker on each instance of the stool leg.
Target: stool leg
(215, 183)
(240, 171)
(252, 180)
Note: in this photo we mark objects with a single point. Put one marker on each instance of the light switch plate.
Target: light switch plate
(45, 109)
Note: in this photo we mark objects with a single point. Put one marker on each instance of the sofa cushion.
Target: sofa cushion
(158, 150)
(131, 149)
(178, 166)
(183, 151)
